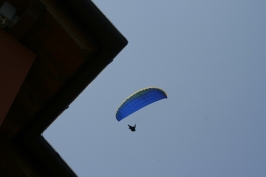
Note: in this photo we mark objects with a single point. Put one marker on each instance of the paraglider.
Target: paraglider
(139, 100)
(132, 128)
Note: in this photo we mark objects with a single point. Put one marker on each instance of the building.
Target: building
(51, 50)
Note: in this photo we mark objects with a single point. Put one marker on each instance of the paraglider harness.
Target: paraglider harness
(132, 128)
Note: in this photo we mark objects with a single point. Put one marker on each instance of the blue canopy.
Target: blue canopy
(139, 100)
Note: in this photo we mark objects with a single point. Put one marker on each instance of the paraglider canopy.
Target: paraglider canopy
(139, 100)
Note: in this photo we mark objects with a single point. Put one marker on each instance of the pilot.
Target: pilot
(132, 128)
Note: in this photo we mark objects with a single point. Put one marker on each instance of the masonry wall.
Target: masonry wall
(15, 62)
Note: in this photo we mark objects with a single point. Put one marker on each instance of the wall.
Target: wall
(15, 62)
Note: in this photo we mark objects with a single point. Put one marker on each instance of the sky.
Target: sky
(209, 56)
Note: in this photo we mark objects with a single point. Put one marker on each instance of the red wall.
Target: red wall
(15, 62)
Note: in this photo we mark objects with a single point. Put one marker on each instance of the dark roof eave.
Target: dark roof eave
(109, 47)
(92, 24)
(109, 42)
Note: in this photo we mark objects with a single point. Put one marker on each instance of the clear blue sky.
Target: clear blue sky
(210, 58)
